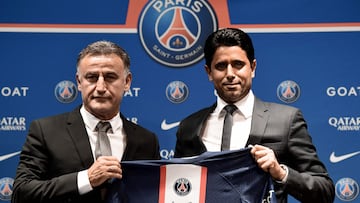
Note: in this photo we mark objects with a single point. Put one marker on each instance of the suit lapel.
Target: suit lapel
(77, 131)
(130, 140)
(196, 128)
(199, 122)
(258, 123)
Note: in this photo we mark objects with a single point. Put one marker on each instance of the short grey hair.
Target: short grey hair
(104, 47)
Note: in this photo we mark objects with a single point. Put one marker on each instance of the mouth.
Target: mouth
(231, 85)
(101, 98)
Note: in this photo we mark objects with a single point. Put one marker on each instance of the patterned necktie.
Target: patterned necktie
(228, 121)
(102, 147)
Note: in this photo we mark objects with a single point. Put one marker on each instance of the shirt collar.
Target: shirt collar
(91, 121)
(245, 105)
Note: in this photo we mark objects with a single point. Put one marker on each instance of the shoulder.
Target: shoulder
(277, 111)
(274, 107)
(59, 121)
(61, 117)
(134, 128)
(200, 114)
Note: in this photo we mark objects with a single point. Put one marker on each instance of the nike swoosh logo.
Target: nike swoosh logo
(336, 159)
(168, 126)
(8, 156)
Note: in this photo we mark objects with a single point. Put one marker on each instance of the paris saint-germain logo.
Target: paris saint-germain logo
(288, 91)
(182, 186)
(174, 32)
(177, 92)
(6, 188)
(65, 91)
(347, 189)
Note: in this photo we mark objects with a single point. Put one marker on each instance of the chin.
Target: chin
(100, 106)
(231, 96)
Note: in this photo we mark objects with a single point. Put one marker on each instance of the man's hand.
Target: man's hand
(267, 161)
(104, 168)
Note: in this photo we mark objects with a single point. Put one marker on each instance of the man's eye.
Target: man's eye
(238, 64)
(110, 77)
(220, 66)
(91, 78)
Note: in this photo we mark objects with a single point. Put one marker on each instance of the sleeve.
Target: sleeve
(34, 181)
(308, 179)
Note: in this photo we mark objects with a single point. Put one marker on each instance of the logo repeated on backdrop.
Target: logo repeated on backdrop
(288, 91)
(14, 91)
(166, 154)
(133, 92)
(342, 91)
(168, 126)
(6, 188)
(8, 156)
(345, 123)
(177, 92)
(346, 189)
(173, 32)
(66, 91)
(338, 158)
(10, 123)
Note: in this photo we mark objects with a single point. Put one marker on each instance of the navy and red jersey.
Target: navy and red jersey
(212, 177)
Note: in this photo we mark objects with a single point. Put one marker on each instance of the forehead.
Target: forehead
(97, 62)
(232, 51)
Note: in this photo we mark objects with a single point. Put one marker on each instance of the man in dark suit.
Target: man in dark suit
(63, 159)
(278, 135)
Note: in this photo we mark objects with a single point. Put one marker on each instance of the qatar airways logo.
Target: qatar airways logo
(167, 154)
(345, 123)
(10, 123)
(342, 91)
(173, 32)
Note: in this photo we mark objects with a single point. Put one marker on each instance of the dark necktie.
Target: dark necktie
(228, 121)
(102, 147)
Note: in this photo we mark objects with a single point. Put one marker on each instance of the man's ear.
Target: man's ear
(208, 71)
(253, 68)
(128, 80)
(78, 82)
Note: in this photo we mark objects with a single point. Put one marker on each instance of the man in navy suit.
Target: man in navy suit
(58, 162)
(278, 133)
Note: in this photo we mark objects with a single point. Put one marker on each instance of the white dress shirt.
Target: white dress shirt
(241, 124)
(117, 140)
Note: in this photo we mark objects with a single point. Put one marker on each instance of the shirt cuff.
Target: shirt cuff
(287, 173)
(84, 185)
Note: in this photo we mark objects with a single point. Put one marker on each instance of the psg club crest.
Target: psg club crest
(65, 91)
(182, 183)
(347, 189)
(6, 188)
(288, 91)
(177, 92)
(174, 32)
(182, 186)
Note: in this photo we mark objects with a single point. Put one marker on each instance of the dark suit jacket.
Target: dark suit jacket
(281, 128)
(57, 148)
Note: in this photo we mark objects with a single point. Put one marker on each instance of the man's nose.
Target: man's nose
(230, 71)
(100, 84)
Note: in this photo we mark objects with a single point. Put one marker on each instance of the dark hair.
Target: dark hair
(105, 48)
(228, 37)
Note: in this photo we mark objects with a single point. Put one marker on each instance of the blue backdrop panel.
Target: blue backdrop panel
(39, 51)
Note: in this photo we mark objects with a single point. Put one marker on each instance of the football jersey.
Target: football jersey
(212, 177)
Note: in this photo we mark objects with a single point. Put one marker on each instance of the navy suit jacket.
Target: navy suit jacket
(57, 148)
(281, 128)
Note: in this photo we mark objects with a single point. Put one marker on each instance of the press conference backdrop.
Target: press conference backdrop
(307, 53)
